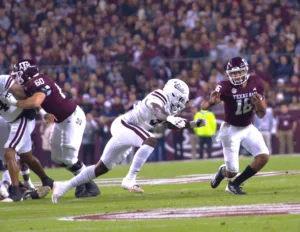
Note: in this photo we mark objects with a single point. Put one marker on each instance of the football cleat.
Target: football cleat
(131, 186)
(59, 189)
(234, 189)
(91, 190)
(217, 178)
(37, 193)
(3, 191)
(14, 195)
(48, 182)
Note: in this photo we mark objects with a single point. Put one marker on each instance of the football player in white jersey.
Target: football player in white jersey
(132, 130)
(22, 123)
(24, 169)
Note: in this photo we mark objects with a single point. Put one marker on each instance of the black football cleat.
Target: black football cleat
(217, 178)
(234, 189)
(79, 190)
(14, 194)
(91, 190)
(48, 182)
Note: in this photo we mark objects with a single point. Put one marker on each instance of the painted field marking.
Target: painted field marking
(194, 178)
(199, 212)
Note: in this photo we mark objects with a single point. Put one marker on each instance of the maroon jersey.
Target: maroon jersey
(285, 122)
(237, 103)
(55, 102)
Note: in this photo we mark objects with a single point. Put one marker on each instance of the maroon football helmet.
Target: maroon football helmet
(237, 71)
(23, 71)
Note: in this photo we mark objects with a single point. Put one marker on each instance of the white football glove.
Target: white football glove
(176, 121)
(11, 99)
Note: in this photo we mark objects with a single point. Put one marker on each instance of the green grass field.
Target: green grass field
(42, 215)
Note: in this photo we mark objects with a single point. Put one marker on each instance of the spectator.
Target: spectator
(178, 144)
(4, 20)
(159, 153)
(286, 125)
(88, 140)
(295, 104)
(86, 105)
(206, 133)
(284, 69)
(193, 137)
(265, 126)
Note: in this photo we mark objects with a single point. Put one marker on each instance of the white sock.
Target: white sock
(83, 177)
(6, 177)
(138, 161)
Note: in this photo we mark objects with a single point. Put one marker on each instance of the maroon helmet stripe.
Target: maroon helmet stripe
(21, 135)
(143, 137)
(17, 134)
(155, 95)
(10, 79)
(161, 96)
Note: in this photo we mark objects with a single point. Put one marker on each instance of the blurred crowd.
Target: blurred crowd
(106, 55)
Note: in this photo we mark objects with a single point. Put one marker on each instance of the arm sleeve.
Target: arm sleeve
(153, 99)
(6, 81)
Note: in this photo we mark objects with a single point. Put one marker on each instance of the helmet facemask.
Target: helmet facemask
(177, 92)
(17, 75)
(177, 103)
(238, 76)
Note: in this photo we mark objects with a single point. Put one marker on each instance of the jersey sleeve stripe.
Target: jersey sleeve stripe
(155, 95)
(158, 93)
(8, 83)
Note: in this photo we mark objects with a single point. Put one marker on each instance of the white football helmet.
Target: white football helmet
(177, 92)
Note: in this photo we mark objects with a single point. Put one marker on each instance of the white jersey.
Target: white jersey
(142, 115)
(7, 111)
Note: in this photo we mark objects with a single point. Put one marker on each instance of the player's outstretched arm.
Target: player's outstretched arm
(214, 100)
(34, 101)
(191, 124)
(161, 114)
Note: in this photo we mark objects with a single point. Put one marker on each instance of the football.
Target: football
(257, 102)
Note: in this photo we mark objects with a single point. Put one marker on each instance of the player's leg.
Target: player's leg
(4, 185)
(146, 142)
(71, 137)
(24, 146)
(231, 143)
(16, 131)
(25, 172)
(255, 144)
(112, 155)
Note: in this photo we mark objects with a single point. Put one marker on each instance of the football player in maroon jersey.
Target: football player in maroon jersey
(243, 95)
(69, 119)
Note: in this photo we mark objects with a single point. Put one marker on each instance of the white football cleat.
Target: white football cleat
(131, 186)
(3, 191)
(59, 189)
